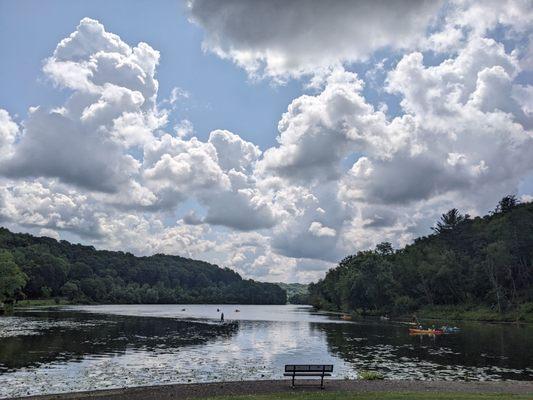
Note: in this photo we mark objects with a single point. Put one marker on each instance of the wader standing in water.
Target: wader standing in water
(222, 317)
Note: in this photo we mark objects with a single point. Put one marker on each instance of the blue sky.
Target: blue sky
(222, 97)
(318, 128)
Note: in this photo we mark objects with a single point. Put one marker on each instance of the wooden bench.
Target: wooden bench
(307, 370)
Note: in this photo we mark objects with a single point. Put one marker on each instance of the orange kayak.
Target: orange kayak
(413, 331)
(346, 317)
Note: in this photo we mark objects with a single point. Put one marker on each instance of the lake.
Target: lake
(61, 349)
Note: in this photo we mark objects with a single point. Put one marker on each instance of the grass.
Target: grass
(465, 312)
(375, 396)
(42, 303)
(524, 313)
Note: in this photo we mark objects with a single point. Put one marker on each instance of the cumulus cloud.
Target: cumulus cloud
(184, 165)
(317, 229)
(49, 206)
(317, 132)
(111, 107)
(57, 146)
(234, 152)
(345, 174)
(290, 38)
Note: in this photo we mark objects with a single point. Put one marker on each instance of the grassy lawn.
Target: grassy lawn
(375, 396)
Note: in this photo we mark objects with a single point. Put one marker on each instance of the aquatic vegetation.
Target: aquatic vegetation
(370, 375)
(112, 347)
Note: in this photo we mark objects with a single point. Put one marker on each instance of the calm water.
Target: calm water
(89, 347)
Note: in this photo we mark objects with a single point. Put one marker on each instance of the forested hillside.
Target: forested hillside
(297, 293)
(40, 267)
(469, 262)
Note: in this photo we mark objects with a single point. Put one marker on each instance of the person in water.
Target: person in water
(222, 317)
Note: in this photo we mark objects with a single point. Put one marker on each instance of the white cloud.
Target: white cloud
(317, 229)
(317, 132)
(177, 94)
(112, 106)
(350, 169)
(290, 38)
(184, 128)
(49, 205)
(234, 152)
(49, 233)
(9, 131)
(57, 146)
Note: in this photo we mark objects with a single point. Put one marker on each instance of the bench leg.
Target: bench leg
(322, 382)
(293, 375)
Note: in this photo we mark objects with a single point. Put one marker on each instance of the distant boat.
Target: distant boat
(237, 310)
(346, 317)
(413, 331)
(183, 309)
(383, 318)
(450, 329)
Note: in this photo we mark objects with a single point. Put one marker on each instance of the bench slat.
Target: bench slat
(307, 374)
(308, 367)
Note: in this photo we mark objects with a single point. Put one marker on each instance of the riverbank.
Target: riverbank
(524, 313)
(334, 389)
(43, 303)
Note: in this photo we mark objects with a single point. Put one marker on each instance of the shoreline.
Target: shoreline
(236, 388)
(439, 315)
(422, 314)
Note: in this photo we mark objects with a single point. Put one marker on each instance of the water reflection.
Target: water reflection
(479, 352)
(62, 336)
(84, 348)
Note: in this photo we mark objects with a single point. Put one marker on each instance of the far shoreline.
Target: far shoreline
(423, 315)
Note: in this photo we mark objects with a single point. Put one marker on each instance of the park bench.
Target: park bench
(307, 370)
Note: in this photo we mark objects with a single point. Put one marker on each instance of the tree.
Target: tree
(486, 261)
(497, 260)
(507, 203)
(70, 290)
(449, 221)
(384, 249)
(12, 279)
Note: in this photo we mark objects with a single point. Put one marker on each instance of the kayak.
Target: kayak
(413, 331)
(346, 317)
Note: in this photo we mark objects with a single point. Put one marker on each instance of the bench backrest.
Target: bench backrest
(308, 368)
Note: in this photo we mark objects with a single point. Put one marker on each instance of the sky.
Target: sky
(272, 137)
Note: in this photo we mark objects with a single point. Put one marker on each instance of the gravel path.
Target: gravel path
(199, 390)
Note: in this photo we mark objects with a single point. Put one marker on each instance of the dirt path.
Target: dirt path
(199, 390)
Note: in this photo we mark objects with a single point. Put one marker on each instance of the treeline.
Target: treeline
(42, 268)
(470, 262)
(297, 293)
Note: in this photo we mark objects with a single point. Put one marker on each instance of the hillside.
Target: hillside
(483, 263)
(297, 293)
(40, 267)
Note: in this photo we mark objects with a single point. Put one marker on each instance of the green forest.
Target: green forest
(44, 268)
(297, 293)
(482, 263)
